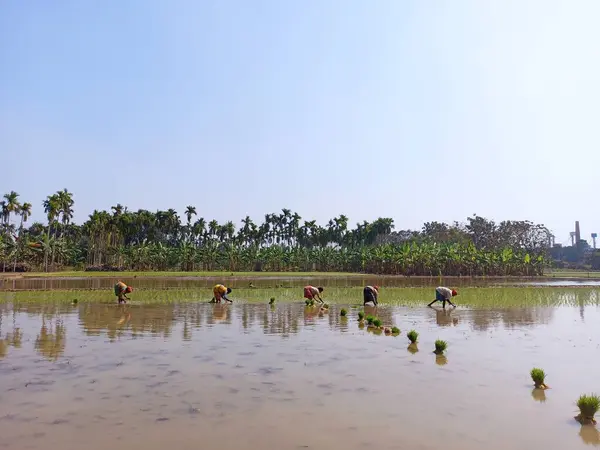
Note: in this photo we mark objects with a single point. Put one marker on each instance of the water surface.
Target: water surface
(247, 376)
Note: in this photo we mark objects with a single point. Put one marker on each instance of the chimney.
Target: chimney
(577, 233)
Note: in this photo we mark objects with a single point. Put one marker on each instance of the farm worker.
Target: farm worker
(120, 290)
(443, 294)
(311, 292)
(219, 292)
(370, 294)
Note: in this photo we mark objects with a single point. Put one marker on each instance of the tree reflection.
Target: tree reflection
(51, 340)
(116, 320)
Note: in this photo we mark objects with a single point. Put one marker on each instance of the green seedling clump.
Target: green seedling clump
(395, 331)
(377, 323)
(370, 320)
(412, 336)
(272, 301)
(440, 346)
(588, 407)
(325, 306)
(310, 303)
(343, 312)
(361, 316)
(538, 376)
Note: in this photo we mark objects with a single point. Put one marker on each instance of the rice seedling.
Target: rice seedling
(325, 306)
(440, 347)
(343, 312)
(377, 323)
(412, 336)
(361, 316)
(370, 320)
(538, 376)
(395, 331)
(272, 301)
(588, 407)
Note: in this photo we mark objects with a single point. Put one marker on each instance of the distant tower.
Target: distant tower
(594, 236)
(577, 233)
(572, 234)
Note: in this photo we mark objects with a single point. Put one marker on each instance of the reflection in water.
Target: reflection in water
(445, 317)
(51, 340)
(590, 435)
(220, 312)
(483, 320)
(190, 375)
(539, 395)
(118, 319)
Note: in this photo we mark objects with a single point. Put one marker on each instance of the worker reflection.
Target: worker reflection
(444, 318)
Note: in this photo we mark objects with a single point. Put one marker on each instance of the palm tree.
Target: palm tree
(51, 208)
(199, 229)
(11, 205)
(189, 212)
(25, 212)
(65, 206)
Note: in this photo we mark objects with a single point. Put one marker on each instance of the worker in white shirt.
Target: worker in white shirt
(443, 294)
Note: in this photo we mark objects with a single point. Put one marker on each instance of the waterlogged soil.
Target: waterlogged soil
(149, 282)
(248, 376)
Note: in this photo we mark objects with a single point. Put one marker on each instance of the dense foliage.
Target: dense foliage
(143, 240)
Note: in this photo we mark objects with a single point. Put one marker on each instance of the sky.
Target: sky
(416, 110)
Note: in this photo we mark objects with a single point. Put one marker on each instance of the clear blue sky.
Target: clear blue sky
(416, 110)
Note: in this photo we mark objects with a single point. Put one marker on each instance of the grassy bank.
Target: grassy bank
(565, 273)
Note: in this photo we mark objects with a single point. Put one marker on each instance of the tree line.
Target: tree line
(121, 239)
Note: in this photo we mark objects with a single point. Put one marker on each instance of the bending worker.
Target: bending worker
(220, 292)
(370, 294)
(311, 292)
(120, 290)
(443, 294)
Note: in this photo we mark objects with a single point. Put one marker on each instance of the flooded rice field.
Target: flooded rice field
(167, 370)
(19, 283)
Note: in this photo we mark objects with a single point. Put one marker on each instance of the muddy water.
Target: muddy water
(191, 282)
(246, 376)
